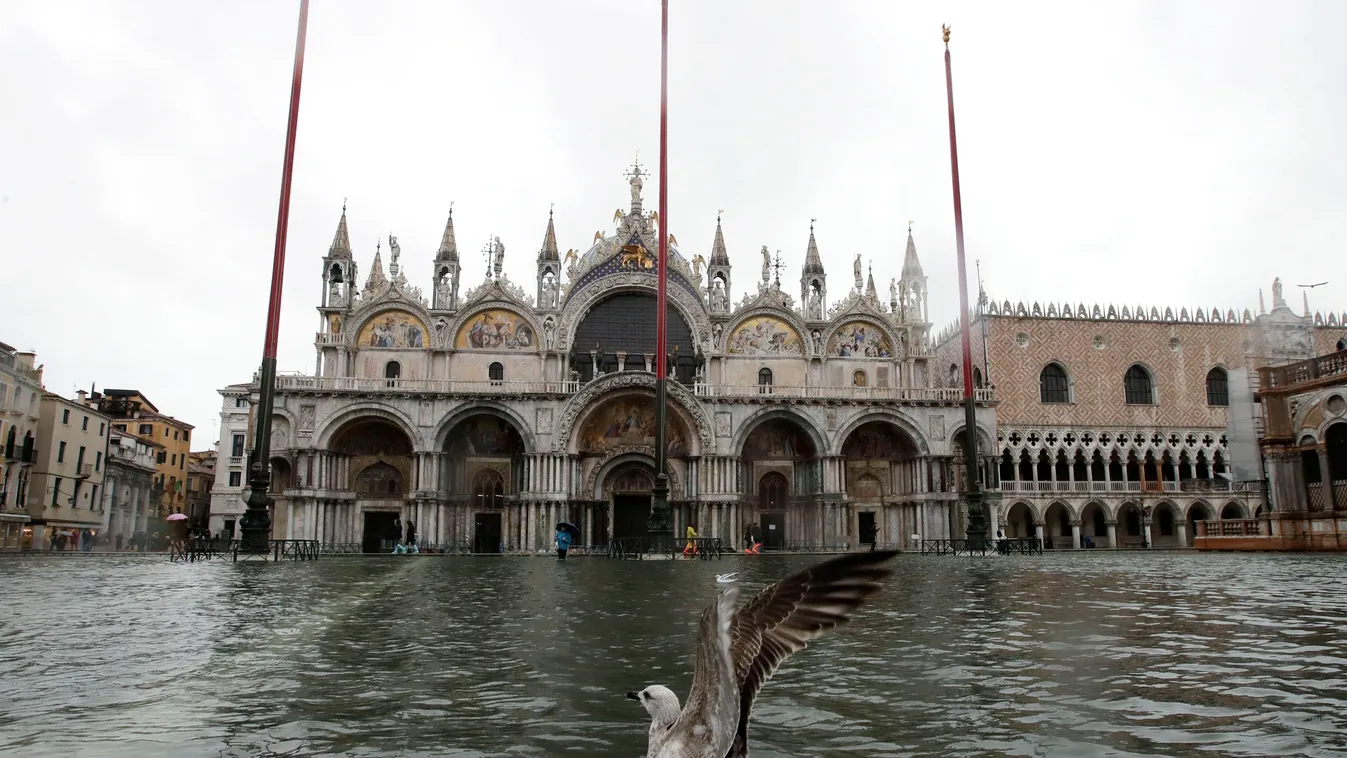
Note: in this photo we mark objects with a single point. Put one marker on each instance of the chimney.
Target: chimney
(83, 397)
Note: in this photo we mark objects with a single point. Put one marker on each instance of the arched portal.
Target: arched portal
(372, 457)
(1197, 513)
(1131, 526)
(1165, 524)
(1019, 522)
(482, 468)
(783, 473)
(1057, 527)
(1094, 525)
(880, 467)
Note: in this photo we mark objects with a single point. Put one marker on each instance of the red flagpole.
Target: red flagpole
(255, 525)
(660, 522)
(977, 523)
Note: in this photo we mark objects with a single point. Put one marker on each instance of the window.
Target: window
(772, 491)
(489, 489)
(1342, 345)
(120, 427)
(85, 426)
(235, 478)
(175, 433)
(79, 461)
(98, 461)
(163, 456)
(146, 429)
(4, 395)
(184, 436)
(1053, 386)
(60, 453)
(496, 372)
(764, 381)
(1218, 387)
(237, 449)
(1137, 386)
(392, 371)
(93, 497)
(65, 416)
(240, 402)
(858, 379)
(101, 429)
(55, 488)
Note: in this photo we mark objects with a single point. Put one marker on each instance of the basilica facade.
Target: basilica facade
(487, 414)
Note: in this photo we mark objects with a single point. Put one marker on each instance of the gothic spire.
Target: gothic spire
(448, 245)
(376, 272)
(813, 264)
(911, 264)
(719, 256)
(870, 285)
(549, 249)
(341, 241)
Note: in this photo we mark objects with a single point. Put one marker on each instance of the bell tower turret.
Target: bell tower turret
(813, 281)
(549, 269)
(446, 269)
(718, 274)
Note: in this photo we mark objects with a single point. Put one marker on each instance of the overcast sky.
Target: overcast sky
(1174, 154)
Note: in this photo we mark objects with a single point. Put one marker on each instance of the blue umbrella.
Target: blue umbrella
(572, 528)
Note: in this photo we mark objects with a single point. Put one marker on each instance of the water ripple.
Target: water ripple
(1089, 655)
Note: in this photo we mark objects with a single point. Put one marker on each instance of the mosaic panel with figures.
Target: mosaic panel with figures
(496, 329)
(1096, 355)
(859, 339)
(629, 421)
(393, 329)
(764, 335)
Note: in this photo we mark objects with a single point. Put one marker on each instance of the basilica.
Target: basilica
(487, 413)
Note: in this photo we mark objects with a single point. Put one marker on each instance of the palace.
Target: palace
(487, 415)
(1126, 426)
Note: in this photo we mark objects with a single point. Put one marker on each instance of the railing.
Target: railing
(208, 548)
(898, 394)
(569, 387)
(638, 548)
(1018, 546)
(1241, 527)
(808, 546)
(1185, 485)
(1333, 364)
(438, 386)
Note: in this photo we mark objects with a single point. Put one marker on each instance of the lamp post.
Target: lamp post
(977, 514)
(660, 522)
(256, 522)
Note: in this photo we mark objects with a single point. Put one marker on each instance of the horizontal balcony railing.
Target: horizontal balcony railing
(1333, 364)
(1187, 485)
(569, 387)
(822, 392)
(436, 386)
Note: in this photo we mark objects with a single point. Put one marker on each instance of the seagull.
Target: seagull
(738, 650)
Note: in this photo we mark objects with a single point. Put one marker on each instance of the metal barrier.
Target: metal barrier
(1019, 546)
(207, 548)
(638, 548)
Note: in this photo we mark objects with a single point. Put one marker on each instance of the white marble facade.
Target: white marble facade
(488, 415)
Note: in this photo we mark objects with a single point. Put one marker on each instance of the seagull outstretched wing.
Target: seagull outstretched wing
(783, 618)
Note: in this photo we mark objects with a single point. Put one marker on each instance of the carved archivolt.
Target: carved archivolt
(581, 302)
(598, 389)
(636, 454)
(389, 301)
(899, 346)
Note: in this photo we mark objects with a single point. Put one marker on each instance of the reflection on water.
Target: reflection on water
(1088, 654)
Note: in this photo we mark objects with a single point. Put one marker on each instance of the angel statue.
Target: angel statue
(697, 263)
(893, 290)
(856, 269)
(570, 257)
(396, 250)
(767, 264)
(499, 257)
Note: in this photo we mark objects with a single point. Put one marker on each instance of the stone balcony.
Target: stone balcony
(761, 393)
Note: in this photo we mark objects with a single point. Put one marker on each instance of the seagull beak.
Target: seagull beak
(633, 696)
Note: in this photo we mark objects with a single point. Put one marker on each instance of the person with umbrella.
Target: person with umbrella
(566, 533)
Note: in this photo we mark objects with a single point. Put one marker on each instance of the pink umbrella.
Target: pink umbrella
(177, 517)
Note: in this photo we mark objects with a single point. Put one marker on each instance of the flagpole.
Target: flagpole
(660, 522)
(256, 522)
(977, 515)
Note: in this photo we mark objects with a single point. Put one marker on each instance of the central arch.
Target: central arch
(779, 451)
(373, 457)
(619, 329)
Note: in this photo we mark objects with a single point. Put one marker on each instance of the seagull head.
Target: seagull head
(660, 702)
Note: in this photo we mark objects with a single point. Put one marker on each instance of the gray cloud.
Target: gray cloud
(1161, 153)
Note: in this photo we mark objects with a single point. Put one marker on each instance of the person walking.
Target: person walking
(690, 550)
(563, 542)
(411, 537)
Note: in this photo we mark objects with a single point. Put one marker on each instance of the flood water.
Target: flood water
(1074, 655)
